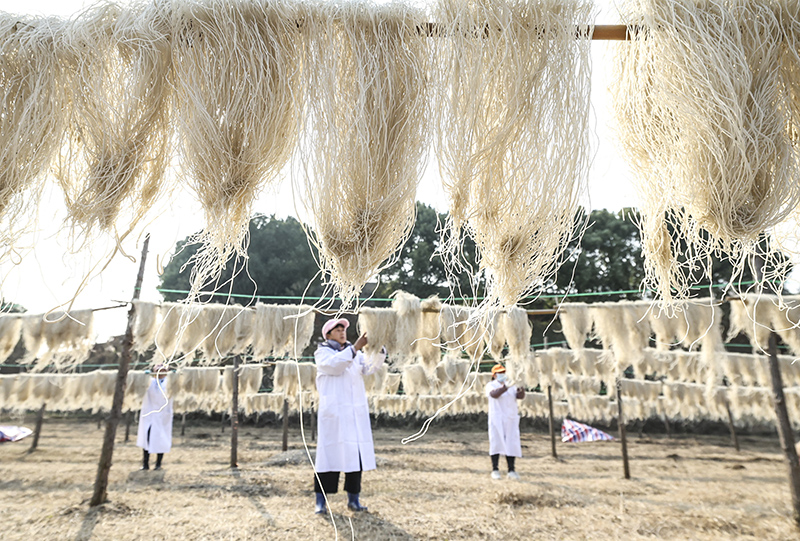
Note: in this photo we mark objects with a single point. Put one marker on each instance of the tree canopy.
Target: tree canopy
(281, 263)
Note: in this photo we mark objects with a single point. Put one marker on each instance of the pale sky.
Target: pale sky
(48, 276)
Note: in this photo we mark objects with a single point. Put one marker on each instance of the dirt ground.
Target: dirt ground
(685, 487)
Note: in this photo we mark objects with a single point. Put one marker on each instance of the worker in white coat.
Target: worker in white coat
(155, 420)
(503, 421)
(344, 441)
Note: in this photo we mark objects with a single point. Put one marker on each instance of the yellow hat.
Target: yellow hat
(498, 368)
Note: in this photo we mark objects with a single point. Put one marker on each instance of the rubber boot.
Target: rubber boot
(320, 508)
(353, 503)
(146, 461)
(159, 456)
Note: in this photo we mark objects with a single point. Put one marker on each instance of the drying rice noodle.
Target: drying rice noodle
(702, 114)
(119, 135)
(34, 64)
(428, 342)
(147, 318)
(415, 380)
(517, 330)
(238, 93)
(575, 385)
(575, 323)
(263, 402)
(58, 339)
(391, 383)
(374, 383)
(282, 329)
(7, 382)
(453, 325)
(365, 145)
(221, 339)
(291, 377)
(409, 322)
(758, 315)
(10, 333)
(379, 325)
(513, 184)
(623, 328)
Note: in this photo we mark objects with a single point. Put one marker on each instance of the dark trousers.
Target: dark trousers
(146, 458)
(330, 482)
(496, 462)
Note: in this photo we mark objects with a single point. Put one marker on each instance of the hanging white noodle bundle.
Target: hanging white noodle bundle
(379, 325)
(282, 329)
(514, 168)
(237, 104)
(119, 136)
(147, 317)
(59, 339)
(517, 331)
(365, 145)
(409, 322)
(703, 115)
(10, 333)
(428, 344)
(35, 108)
(575, 323)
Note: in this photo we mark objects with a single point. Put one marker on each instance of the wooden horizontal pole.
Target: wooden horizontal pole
(602, 32)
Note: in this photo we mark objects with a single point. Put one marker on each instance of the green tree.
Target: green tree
(280, 262)
(607, 258)
(419, 268)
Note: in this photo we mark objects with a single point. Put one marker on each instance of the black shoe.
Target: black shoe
(143, 468)
(157, 468)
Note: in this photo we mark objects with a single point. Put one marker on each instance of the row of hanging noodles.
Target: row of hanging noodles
(514, 168)
(350, 85)
(57, 340)
(625, 328)
(192, 389)
(706, 106)
(219, 331)
(758, 315)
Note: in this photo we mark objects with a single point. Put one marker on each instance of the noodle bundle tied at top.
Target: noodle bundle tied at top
(366, 137)
(512, 100)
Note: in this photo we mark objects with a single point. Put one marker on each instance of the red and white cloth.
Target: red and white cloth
(575, 432)
(13, 433)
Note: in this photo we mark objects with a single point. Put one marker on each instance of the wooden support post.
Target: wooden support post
(223, 422)
(104, 465)
(235, 415)
(622, 436)
(285, 443)
(99, 420)
(127, 427)
(183, 424)
(667, 426)
(731, 427)
(552, 424)
(784, 426)
(38, 430)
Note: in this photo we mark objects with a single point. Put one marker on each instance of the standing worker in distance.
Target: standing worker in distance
(155, 420)
(345, 435)
(503, 421)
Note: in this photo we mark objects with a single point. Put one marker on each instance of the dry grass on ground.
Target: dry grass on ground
(438, 488)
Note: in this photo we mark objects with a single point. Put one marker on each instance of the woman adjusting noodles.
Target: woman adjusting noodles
(345, 436)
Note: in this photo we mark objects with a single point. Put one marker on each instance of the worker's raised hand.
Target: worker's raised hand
(361, 342)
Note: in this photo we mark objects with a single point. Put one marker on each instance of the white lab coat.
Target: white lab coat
(156, 415)
(343, 426)
(503, 421)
